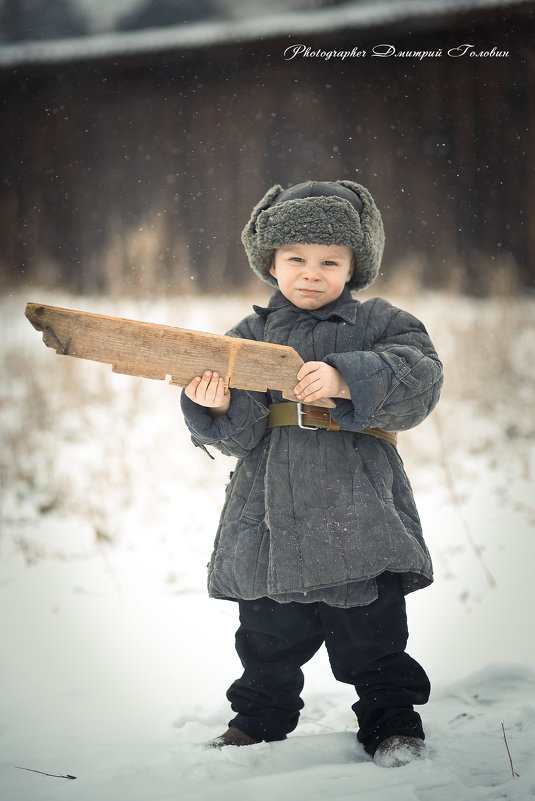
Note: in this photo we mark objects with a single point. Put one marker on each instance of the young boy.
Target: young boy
(319, 538)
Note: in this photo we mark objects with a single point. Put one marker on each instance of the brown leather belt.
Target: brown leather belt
(314, 417)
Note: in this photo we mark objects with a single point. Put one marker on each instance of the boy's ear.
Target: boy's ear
(272, 270)
(352, 268)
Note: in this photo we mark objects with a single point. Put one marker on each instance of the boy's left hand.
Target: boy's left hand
(319, 380)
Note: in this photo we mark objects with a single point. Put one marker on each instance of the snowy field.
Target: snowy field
(114, 663)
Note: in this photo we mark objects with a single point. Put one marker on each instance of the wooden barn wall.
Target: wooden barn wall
(140, 175)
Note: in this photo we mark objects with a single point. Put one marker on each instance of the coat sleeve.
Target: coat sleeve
(239, 430)
(395, 381)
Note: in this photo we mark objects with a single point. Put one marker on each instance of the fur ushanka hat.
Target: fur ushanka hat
(317, 213)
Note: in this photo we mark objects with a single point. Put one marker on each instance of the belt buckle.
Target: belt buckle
(300, 415)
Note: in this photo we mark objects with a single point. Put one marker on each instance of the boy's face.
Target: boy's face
(311, 276)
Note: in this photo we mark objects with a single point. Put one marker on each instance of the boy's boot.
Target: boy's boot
(399, 750)
(232, 736)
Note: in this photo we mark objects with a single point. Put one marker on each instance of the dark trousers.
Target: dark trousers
(366, 647)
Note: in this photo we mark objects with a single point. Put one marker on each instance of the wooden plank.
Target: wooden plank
(157, 351)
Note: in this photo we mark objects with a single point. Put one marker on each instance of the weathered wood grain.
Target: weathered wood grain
(157, 351)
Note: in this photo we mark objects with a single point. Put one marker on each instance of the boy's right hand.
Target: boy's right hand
(209, 391)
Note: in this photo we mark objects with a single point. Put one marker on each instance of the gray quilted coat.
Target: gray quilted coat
(318, 515)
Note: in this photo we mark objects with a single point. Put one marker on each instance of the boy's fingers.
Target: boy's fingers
(307, 380)
(307, 368)
(213, 387)
(208, 390)
(204, 387)
(206, 377)
(308, 385)
(191, 388)
(311, 392)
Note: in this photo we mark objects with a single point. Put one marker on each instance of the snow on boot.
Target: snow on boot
(399, 750)
(232, 736)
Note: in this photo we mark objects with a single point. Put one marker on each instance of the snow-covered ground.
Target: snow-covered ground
(114, 663)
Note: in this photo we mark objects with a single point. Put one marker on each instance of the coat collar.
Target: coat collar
(344, 307)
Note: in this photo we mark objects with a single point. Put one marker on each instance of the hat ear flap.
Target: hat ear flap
(249, 237)
(262, 205)
(361, 192)
(370, 251)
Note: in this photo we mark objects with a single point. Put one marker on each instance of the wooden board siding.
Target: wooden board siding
(139, 174)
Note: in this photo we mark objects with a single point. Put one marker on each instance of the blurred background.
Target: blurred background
(137, 135)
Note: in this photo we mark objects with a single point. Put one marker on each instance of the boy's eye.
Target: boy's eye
(330, 263)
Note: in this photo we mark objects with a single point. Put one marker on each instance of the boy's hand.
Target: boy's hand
(209, 391)
(319, 380)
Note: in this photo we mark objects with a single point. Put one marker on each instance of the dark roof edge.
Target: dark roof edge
(218, 33)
